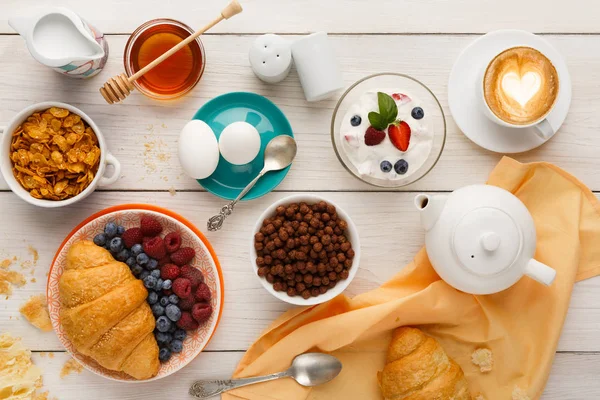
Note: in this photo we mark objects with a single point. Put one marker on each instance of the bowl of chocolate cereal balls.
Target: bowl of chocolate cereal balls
(305, 250)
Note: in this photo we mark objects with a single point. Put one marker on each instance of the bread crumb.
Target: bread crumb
(172, 191)
(71, 366)
(8, 278)
(33, 280)
(519, 394)
(50, 355)
(4, 264)
(34, 253)
(35, 310)
(20, 377)
(483, 359)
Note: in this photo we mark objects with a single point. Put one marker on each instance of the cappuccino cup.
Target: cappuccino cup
(518, 89)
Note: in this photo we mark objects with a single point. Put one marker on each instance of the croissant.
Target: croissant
(104, 312)
(418, 368)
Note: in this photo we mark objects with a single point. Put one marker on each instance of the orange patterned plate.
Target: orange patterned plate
(206, 261)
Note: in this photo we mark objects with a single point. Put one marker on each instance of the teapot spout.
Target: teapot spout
(430, 208)
(21, 24)
(540, 272)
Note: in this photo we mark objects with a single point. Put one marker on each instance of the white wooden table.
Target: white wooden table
(421, 38)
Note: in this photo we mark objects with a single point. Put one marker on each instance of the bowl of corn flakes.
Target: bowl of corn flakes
(52, 155)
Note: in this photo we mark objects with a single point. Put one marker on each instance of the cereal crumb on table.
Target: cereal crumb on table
(71, 366)
(35, 310)
(519, 394)
(483, 359)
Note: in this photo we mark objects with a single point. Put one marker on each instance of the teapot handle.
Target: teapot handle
(540, 272)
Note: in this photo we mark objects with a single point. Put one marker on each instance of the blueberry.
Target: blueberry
(100, 239)
(120, 230)
(164, 354)
(142, 259)
(150, 282)
(163, 339)
(155, 273)
(123, 255)
(164, 301)
(167, 284)
(163, 324)
(136, 249)
(110, 230)
(130, 262)
(401, 167)
(158, 310)
(355, 120)
(173, 312)
(417, 113)
(152, 264)
(176, 346)
(385, 166)
(116, 244)
(179, 334)
(143, 274)
(173, 299)
(137, 271)
(152, 298)
(173, 328)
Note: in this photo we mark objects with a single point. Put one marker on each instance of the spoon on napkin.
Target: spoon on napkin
(309, 369)
(279, 154)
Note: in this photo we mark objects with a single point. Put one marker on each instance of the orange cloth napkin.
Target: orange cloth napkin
(521, 325)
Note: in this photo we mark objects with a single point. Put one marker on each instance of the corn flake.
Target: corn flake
(55, 154)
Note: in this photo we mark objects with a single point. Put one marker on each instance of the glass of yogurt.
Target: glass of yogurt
(388, 130)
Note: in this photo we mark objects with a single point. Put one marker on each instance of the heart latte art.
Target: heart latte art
(520, 85)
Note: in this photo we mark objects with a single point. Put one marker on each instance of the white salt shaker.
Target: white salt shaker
(271, 58)
(317, 66)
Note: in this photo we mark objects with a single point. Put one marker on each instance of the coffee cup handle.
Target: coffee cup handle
(111, 160)
(544, 129)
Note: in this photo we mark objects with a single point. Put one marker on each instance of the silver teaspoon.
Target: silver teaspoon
(279, 154)
(310, 369)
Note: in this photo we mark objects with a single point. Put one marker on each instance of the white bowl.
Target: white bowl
(6, 164)
(351, 233)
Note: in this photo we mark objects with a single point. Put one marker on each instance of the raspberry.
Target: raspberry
(170, 271)
(193, 274)
(172, 242)
(187, 322)
(132, 236)
(182, 288)
(373, 136)
(202, 294)
(155, 248)
(201, 312)
(183, 256)
(163, 261)
(146, 239)
(187, 303)
(150, 226)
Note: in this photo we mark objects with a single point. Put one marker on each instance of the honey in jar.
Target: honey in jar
(176, 75)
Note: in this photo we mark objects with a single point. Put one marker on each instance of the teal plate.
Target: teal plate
(229, 180)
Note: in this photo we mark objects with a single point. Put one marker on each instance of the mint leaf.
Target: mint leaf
(377, 121)
(387, 107)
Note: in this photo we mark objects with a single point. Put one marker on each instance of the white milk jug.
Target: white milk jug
(58, 38)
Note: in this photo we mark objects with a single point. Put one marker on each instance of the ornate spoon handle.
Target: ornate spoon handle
(216, 222)
(209, 388)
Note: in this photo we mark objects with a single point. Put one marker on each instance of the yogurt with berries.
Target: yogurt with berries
(389, 146)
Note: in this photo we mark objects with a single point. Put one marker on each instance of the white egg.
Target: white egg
(239, 143)
(198, 149)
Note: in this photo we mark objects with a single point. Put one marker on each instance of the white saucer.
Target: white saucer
(463, 100)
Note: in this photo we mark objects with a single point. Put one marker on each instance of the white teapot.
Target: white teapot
(481, 239)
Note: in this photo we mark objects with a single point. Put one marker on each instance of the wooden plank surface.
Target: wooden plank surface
(355, 16)
(139, 121)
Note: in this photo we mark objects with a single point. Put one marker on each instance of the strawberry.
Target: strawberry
(150, 226)
(373, 136)
(400, 135)
(402, 98)
(169, 271)
(173, 242)
(132, 236)
(202, 294)
(187, 322)
(183, 256)
(201, 312)
(155, 248)
(182, 287)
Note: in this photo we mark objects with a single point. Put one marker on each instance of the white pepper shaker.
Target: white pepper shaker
(317, 66)
(271, 58)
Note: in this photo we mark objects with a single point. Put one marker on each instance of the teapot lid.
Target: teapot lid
(486, 241)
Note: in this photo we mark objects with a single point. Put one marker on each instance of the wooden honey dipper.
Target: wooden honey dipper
(117, 88)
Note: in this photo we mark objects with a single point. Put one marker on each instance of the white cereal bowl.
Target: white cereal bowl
(351, 233)
(106, 158)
